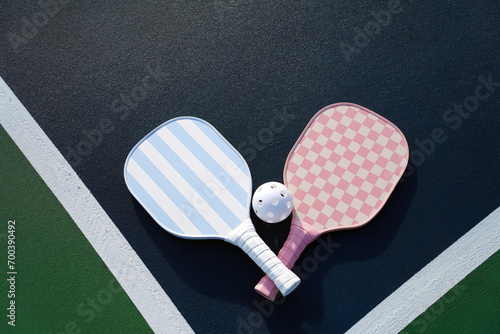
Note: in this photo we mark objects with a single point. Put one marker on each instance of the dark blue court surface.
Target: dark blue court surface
(98, 76)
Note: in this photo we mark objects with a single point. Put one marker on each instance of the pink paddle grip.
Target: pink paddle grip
(300, 236)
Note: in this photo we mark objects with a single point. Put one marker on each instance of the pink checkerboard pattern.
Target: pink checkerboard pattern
(344, 167)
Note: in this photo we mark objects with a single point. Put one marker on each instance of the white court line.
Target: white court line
(143, 289)
(428, 285)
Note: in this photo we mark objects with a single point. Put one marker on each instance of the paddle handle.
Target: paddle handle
(247, 239)
(300, 236)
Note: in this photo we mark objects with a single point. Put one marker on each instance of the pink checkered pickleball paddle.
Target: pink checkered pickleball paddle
(341, 171)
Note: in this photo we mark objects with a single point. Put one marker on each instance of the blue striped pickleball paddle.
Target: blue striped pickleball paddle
(196, 185)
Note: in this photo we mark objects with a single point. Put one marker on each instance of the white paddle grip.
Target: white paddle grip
(247, 239)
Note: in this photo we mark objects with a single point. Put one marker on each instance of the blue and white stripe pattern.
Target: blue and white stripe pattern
(190, 179)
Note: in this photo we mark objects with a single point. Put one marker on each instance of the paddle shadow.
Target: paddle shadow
(211, 267)
(343, 272)
(222, 271)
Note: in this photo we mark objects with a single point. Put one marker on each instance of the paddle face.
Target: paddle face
(190, 179)
(344, 166)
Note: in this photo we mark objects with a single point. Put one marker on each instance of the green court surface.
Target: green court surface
(61, 285)
(472, 306)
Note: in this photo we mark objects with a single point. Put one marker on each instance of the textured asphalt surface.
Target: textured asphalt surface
(98, 76)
